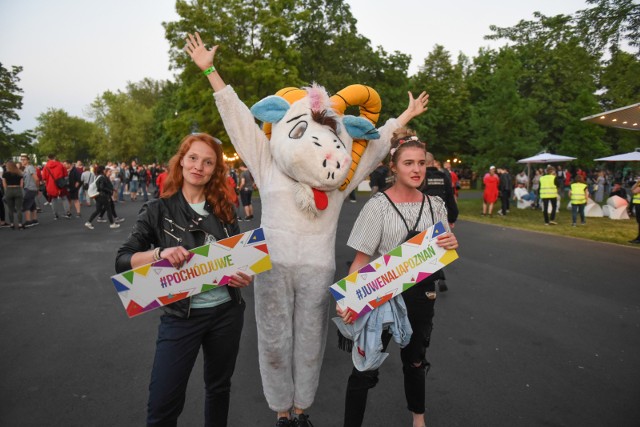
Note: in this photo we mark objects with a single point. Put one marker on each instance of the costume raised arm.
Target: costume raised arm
(246, 136)
(377, 149)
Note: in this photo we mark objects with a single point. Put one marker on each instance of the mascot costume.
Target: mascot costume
(306, 159)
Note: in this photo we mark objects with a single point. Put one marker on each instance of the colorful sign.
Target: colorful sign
(154, 285)
(393, 273)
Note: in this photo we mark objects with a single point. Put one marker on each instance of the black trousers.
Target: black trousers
(505, 198)
(420, 310)
(545, 206)
(217, 330)
(102, 206)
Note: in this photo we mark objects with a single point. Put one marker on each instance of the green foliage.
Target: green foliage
(65, 136)
(609, 24)
(446, 125)
(502, 120)
(126, 122)
(10, 102)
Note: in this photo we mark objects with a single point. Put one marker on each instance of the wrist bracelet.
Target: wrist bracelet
(156, 253)
(209, 70)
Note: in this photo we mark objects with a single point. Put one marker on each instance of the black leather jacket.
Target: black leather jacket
(168, 223)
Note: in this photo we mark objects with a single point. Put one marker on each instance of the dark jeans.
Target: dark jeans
(420, 311)
(102, 206)
(217, 330)
(143, 186)
(545, 206)
(505, 197)
(575, 209)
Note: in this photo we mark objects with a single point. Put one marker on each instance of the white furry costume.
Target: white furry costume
(292, 298)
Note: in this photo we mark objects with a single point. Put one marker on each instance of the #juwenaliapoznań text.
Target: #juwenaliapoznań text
(383, 280)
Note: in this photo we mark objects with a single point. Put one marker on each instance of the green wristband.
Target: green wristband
(209, 70)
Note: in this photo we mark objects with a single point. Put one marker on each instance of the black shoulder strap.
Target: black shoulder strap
(419, 214)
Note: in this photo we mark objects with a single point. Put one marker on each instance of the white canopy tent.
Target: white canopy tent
(546, 158)
(543, 158)
(633, 156)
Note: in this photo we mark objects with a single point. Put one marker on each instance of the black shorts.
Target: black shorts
(73, 194)
(29, 200)
(245, 197)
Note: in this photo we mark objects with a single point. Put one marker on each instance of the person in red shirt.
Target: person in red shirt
(490, 195)
(51, 172)
(162, 176)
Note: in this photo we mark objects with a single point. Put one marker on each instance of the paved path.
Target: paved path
(535, 330)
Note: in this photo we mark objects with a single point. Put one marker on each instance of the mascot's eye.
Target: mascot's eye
(298, 130)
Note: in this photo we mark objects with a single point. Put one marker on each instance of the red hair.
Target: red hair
(215, 190)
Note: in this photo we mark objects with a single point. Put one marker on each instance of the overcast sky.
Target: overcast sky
(74, 50)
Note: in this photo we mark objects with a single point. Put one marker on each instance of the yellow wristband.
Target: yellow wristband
(209, 70)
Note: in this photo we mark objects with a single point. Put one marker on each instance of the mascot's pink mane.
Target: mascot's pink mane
(318, 98)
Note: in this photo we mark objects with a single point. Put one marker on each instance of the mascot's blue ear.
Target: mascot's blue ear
(270, 109)
(360, 128)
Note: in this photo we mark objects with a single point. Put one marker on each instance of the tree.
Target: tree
(254, 55)
(609, 24)
(65, 136)
(559, 74)
(10, 102)
(446, 125)
(126, 122)
(266, 45)
(502, 121)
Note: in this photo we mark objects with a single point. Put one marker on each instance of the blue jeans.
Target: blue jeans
(217, 330)
(143, 187)
(574, 212)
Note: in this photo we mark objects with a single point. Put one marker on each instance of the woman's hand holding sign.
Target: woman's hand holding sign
(448, 241)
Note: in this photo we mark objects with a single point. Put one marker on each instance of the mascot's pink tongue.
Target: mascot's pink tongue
(321, 199)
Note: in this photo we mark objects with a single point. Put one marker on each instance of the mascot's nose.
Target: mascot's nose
(335, 162)
(324, 164)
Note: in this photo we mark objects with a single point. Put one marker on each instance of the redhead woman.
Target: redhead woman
(192, 211)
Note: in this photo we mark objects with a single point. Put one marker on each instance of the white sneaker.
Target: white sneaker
(114, 225)
(119, 220)
(88, 225)
(101, 219)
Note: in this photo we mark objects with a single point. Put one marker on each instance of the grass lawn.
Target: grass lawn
(599, 229)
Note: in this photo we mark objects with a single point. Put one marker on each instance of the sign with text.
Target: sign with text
(393, 273)
(210, 266)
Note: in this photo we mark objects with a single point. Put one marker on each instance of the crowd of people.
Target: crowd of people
(62, 189)
(548, 186)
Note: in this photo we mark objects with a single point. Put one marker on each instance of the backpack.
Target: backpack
(85, 185)
(93, 192)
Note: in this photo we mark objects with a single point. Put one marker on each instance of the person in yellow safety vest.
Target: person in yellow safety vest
(549, 194)
(579, 195)
(635, 190)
